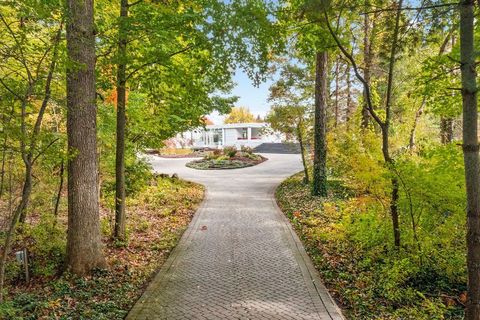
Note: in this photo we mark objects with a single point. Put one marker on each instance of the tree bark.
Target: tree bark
(386, 127)
(303, 152)
(319, 187)
(367, 61)
(120, 218)
(337, 93)
(471, 156)
(446, 130)
(84, 246)
(60, 188)
(350, 106)
(418, 114)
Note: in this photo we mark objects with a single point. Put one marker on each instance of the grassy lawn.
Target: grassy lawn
(350, 248)
(157, 217)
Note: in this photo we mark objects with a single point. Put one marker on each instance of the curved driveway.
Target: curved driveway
(239, 258)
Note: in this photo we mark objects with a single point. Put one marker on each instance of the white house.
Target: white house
(235, 134)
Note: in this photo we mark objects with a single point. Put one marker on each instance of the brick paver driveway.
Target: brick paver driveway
(239, 259)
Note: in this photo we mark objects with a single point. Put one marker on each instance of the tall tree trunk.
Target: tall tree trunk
(470, 154)
(319, 187)
(84, 245)
(120, 218)
(2, 170)
(337, 89)
(350, 106)
(303, 152)
(60, 188)
(367, 61)
(446, 130)
(386, 127)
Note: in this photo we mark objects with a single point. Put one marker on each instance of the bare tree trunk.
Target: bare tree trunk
(470, 154)
(350, 106)
(319, 187)
(60, 188)
(303, 152)
(84, 245)
(120, 218)
(386, 127)
(367, 61)
(2, 172)
(337, 88)
(446, 130)
(418, 114)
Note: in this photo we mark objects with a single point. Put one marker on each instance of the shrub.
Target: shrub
(246, 150)
(213, 154)
(230, 151)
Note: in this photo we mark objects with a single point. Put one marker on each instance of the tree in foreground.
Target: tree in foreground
(470, 154)
(84, 246)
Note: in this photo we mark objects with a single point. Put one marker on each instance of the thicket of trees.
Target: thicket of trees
(386, 84)
(86, 85)
(373, 90)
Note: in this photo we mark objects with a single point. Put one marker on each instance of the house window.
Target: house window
(244, 133)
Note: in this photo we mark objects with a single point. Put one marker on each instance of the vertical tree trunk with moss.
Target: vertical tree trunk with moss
(120, 218)
(84, 245)
(470, 154)
(319, 187)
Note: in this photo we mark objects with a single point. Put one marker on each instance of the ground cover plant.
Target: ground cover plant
(348, 234)
(227, 158)
(163, 208)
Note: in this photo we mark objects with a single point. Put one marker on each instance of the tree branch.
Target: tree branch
(356, 71)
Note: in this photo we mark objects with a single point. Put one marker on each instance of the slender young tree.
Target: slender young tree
(384, 124)
(84, 246)
(120, 218)
(319, 186)
(470, 154)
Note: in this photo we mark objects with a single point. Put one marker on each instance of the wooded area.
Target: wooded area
(380, 94)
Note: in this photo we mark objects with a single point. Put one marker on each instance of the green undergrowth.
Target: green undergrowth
(158, 213)
(348, 237)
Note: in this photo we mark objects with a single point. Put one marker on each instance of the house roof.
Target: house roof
(237, 125)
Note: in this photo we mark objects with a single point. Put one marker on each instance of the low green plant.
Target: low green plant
(230, 151)
(246, 150)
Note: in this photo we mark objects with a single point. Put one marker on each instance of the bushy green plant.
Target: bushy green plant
(230, 151)
(49, 243)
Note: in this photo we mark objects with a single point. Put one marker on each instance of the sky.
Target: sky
(249, 96)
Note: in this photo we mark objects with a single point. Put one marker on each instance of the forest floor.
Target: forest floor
(365, 279)
(157, 217)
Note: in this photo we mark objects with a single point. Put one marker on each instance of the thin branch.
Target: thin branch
(44, 150)
(356, 71)
(433, 6)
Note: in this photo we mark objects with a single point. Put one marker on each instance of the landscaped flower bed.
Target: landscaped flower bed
(228, 158)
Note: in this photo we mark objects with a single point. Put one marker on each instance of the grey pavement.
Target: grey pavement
(239, 258)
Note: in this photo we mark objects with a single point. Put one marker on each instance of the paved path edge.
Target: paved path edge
(184, 241)
(317, 290)
(308, 269)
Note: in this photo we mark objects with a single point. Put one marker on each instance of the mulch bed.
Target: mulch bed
(236, 162)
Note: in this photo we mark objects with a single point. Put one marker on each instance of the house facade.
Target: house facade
(235, 134)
